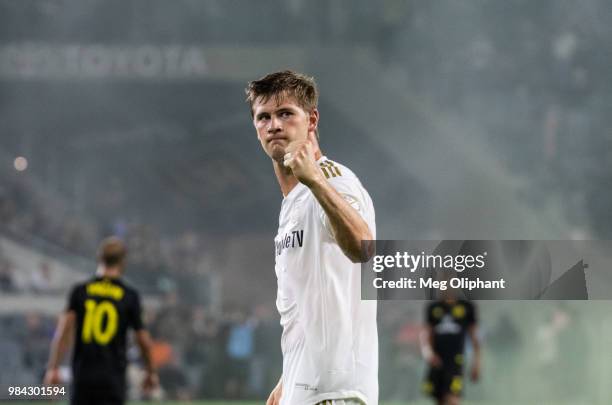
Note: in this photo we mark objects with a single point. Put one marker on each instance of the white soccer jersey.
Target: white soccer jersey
(330, 339)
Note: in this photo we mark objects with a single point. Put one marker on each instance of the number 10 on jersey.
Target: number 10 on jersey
(93, 326)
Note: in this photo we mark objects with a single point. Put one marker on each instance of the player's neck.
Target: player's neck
(286, 180)
(108, 272)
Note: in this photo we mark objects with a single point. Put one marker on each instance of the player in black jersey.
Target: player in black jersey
(448, 323)
(98, 316)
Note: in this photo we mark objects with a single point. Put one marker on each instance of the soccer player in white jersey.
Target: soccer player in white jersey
(329, 340)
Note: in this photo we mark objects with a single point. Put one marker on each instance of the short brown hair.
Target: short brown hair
(112, 252)
(281, 84)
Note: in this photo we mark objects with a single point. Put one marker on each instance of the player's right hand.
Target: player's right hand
(52, 376)
(435, 361)
(300, 158)
(150, 382)
(475, 372)
(275, 395)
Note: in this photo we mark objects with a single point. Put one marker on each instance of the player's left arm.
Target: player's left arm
(347, 225)
(473, 332)
(59, 346)
(426, 339)
(145, 343)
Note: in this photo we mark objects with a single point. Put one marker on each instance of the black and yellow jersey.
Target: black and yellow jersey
(450, 322)
(105, 309)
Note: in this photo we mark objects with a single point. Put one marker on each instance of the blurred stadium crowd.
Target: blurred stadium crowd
(31, 215)
(533, 77)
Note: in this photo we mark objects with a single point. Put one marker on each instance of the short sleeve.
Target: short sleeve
(353, 193)
(472, 317)
(429, 318)
(135, 313)
(73, 300)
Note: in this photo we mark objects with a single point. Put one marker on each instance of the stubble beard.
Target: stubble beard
(277, 154)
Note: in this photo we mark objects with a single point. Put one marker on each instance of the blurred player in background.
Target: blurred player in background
(97, 318)
(330, 340)
(448, 322)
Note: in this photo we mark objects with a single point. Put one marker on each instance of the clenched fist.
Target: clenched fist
(52, 376)
(300, 158)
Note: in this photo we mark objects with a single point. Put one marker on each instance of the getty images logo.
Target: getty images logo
(289, 240)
